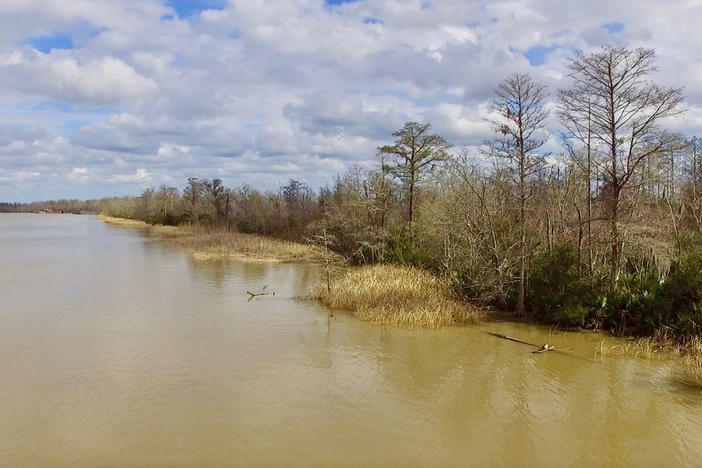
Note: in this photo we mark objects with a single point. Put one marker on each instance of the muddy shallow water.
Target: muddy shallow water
(120, 350)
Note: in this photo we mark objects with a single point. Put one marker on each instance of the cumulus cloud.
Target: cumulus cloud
(59, 76)
(141, 175)
(259, 91)
(79, 174)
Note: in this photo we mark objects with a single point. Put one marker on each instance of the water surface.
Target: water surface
(119, 350)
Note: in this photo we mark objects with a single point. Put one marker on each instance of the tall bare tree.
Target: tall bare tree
(694, 169)
(613, 103)
(520, 105)
(577, 138)
(415, 152)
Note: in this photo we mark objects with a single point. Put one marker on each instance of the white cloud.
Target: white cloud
(262, 91)
(78, 174)
(141, 175)
(62, 77)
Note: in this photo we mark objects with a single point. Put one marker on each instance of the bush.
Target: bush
(559, 292)
(402, 249)
(683, 290)
(644, 301)
(638, 304)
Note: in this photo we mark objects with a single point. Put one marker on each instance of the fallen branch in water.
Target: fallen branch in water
(505, 337)
(259, 294)
(542, 349)
(262, 293)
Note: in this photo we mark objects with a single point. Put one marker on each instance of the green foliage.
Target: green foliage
(637, 304)
(683, 289)
(559, 290)
(644, 301)
(400, 249)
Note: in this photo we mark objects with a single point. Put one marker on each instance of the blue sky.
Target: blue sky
(102, 97)
(538, 55)
(46, 44)
(188, 8)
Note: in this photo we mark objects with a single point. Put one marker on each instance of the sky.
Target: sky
(105, 97)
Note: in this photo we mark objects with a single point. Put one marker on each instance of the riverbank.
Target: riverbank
(389, 294)
(205, 243)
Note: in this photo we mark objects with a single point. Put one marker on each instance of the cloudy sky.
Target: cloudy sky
(107, 97)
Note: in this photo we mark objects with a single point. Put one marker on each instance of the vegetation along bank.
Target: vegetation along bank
(605, 233)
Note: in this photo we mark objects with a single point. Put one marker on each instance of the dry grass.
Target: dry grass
(206, 243)
(121, 222)
(398, 295)
(665, 346)
(692, 369)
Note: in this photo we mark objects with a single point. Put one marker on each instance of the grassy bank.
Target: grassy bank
(665, 346)
(401, 295)
(213, 243)
(387, 294)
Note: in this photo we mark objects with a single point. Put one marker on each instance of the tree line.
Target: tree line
(603, 233)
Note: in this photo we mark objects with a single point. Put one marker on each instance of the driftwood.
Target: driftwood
(259, 294)
(517, 340)
(262, 293)
(542, 349)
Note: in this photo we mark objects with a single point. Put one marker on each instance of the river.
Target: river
(120, 350)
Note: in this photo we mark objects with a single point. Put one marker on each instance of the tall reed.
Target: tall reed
(398, 295)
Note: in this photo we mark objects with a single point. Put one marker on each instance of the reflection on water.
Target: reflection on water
(119, 350)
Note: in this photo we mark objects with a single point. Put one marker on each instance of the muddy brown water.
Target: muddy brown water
(119, 350)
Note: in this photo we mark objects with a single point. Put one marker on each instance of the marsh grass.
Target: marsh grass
(663, 346)
(692, 360)
(206, 243)
(397, 295)
(646, 348)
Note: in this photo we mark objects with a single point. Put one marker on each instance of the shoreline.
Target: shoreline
(204, 243)
(382, 294)
(375, 293)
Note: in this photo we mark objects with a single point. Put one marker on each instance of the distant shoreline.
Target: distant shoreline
(210, 243)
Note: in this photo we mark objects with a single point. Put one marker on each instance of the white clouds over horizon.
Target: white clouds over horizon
(259, 91)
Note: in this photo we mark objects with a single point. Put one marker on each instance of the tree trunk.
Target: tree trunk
(521, 292)
(614, 188)
(616, 242)
(411, 201)
(588, 181)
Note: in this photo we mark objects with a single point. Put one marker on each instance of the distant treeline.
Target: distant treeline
(604, 234)
(64, 206)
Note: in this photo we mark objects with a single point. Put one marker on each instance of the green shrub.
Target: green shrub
(683, 290)
(559, 291)
(402, 249)
(638, 304)
(644, 301)
(571, 314)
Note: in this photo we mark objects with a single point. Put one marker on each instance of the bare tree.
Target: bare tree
(520, 105)
(694, 153)
(578, 130)
(612, 102)
(415, 152)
